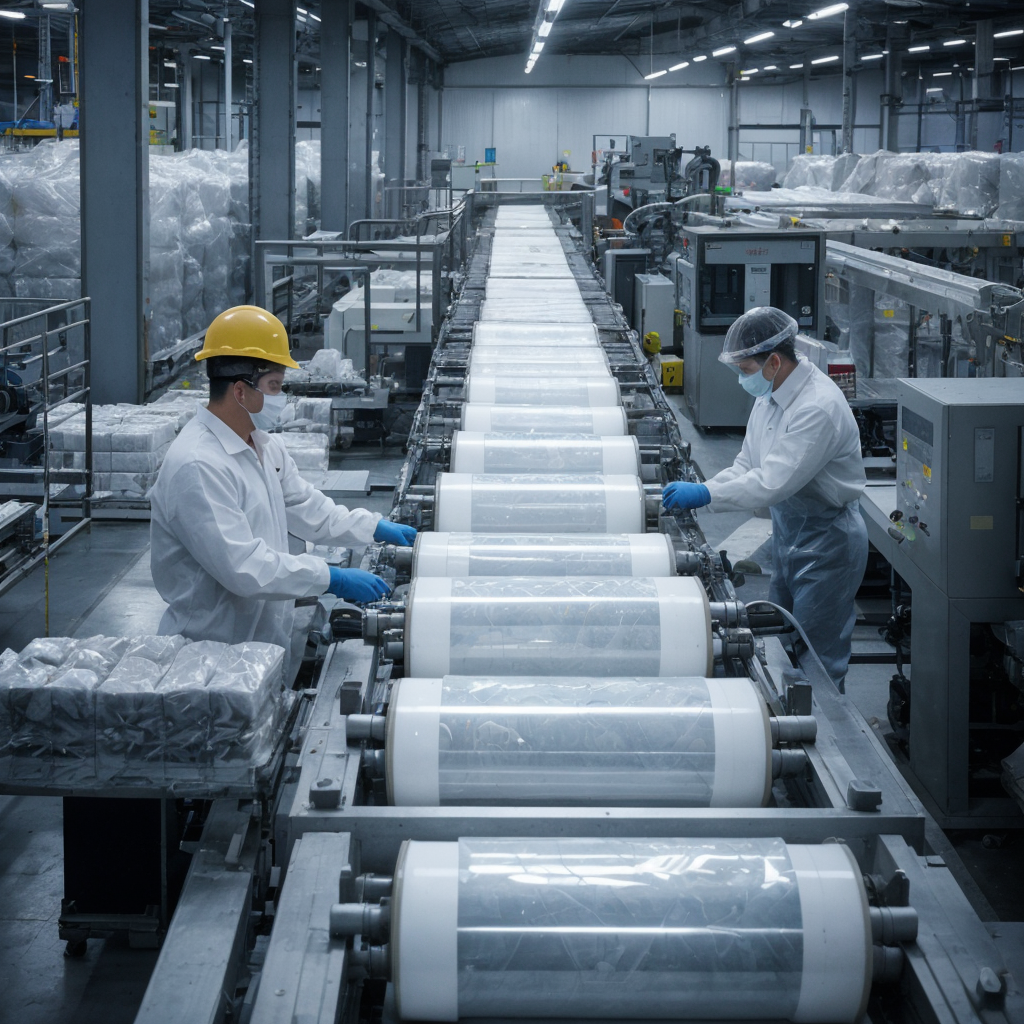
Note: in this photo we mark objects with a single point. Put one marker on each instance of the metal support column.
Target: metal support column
(185, 130)
(734, 120)
(892, 97)
(422, 146)
(272, 150)
(335, 64)
(114, 121)
(985, 78)
(44, 75)
(394, 122)
(849, 102)
(229, 140)
(371, 103)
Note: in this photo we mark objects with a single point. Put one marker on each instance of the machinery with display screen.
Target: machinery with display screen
(954, 534)
(720, 273)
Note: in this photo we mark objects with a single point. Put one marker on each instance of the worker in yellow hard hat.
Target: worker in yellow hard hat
(228, 495)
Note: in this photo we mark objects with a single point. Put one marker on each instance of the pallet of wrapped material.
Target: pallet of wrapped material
(310, 451)
(142, 434)
(153, 712)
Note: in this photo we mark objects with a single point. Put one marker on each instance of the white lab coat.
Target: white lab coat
(801, 440)
(801, 458)
(219, 534)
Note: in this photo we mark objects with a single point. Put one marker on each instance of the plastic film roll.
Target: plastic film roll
(476, 452)
(642, 929)
(562, 311)
(524, 626)
(571, 554)
(553, 369)
(498, 334)
(539, 268)
(538, 503)
(493, 389)
(512, 288)
(469, 740)
(508, 360)
(538, 419)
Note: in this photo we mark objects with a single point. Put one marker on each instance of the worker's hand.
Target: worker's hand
(357, 585)
(388, 532)
(682, 494)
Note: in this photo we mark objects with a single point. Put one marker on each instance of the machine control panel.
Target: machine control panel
(918, 480)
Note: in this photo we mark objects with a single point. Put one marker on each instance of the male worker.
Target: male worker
(801, 458)
(228, 494)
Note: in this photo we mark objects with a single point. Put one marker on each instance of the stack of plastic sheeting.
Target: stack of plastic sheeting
(150, 711)
(1011, 187)
(310, 451)
(891, 336)
(809, 170)
(747, 175)
(129, 443)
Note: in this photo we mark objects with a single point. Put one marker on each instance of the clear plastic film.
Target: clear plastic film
(477, 452)
(563, 311)
(513, 288)
(540, 268)
(537, 419)
(475, 554)
(552, 503)
(498, 389)
(577, 742)
(628, 929)
(500, 334)
(508, 360)
(554, 368)
(603, 627)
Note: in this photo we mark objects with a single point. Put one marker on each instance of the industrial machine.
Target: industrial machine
(654, 307)
(643, 176)
(720, 272)
(563, 771)
(951, 526)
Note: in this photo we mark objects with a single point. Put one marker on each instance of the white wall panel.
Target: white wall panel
(584, 113)
(699, 117)
(525, 131)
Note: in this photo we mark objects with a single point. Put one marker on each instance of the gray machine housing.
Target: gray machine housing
(720, 273)
(653, 160)
(654, 306)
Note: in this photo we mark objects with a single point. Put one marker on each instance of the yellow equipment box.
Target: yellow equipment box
(671, 372)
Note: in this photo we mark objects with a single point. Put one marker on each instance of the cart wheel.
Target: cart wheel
(76, 948)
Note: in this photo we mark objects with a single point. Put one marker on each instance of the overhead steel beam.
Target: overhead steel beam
(115, 192)
(395, 21)
(394, 122)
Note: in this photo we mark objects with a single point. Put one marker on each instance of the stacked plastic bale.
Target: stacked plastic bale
(747, 175)
(971, 187)
(1011, 187)
(807, 169)
(891, 334)
(167, 255)
(47, 224)
(307, 186)
(310, 451)
(139, 711)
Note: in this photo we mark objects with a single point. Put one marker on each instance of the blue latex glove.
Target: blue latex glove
(682, 494)
(357, 585)
(388, 532)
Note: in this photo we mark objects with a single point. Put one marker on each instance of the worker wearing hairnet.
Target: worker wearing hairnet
(229, 494)
(801, 458)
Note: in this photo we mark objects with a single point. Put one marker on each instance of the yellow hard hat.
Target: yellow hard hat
(248, 332)
(652, 343)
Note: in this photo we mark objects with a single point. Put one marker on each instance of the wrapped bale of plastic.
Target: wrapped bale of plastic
(246, 701)
(310, 451)
(843, 166)
(852, 313)
(8, 173)
(891, 337)
(130, 731)
(1011, 187)
(185, 701)
(972, 186)
(809, 170)
(747, 175)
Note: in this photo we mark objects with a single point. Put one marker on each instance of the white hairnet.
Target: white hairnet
(757, 331)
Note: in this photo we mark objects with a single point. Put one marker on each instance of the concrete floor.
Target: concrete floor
(105, 986)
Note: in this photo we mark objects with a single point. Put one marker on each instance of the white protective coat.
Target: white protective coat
(221, 516)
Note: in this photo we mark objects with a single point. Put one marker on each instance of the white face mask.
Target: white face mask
(270, 415)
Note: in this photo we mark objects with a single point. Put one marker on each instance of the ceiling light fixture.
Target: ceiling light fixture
(744, 78)
(722, 51)
(697, 60)
(1008, 33)
(66, 6)
(247, 60)
(793, 23)
(221, 48)
(248, 3)
(538, 46)
(545, 29)
(554, 6)
(943, 74)
(827, 12)
(13, 15)
(936, 89)
(918, 49)
(771, 67)
(679, 67)
(795, 67)
(954, 42)
(749, 71)
(201, 56)
(760, 37)
(654, 74)
(170, 85)
(170, 64)
(873, 56)
(825, 60)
